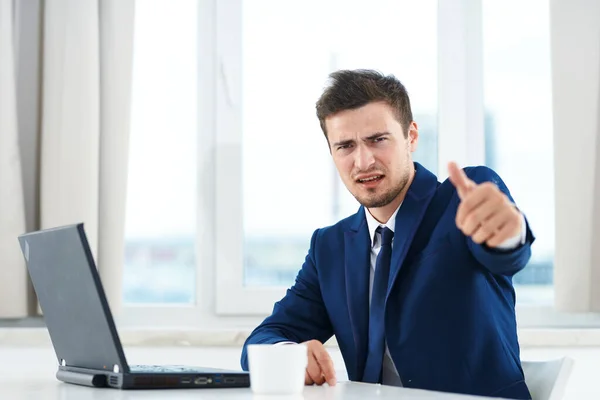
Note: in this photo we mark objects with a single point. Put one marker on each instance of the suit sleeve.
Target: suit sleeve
(298, 317)
(505, 262)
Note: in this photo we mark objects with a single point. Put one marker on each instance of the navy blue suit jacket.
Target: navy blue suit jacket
(450, 307)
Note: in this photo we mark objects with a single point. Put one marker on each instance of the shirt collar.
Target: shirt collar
(373, 224)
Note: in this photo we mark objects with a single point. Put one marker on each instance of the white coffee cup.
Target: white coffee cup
(277, 369)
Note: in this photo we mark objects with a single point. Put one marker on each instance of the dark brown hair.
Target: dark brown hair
(350, 89)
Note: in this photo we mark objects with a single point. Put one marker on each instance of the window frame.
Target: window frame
(460, 109)
(222, 300)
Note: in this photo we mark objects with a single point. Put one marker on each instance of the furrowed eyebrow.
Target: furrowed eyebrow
(343, 143)
(377, 135)
(370, 137)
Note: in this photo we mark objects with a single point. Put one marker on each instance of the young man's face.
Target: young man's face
(371, 153)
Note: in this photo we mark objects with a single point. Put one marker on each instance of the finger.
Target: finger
(489, 226)
(479, 216)
(314, 370)
(508, 227)
(483, 233)
(474, 199)
(307, 379)
(459, 179)
(326, 363)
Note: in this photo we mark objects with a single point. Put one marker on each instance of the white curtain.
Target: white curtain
(575, 41)
(84, 130)
(13, 276)
(85, 124)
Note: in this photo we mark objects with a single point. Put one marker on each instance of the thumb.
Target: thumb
(459, 179)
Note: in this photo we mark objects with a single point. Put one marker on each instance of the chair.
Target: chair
(547, 380)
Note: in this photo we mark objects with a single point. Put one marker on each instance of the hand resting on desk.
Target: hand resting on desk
(320, 368)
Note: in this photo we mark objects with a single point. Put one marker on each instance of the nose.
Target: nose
(363, 158)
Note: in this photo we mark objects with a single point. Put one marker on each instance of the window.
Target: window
(160, 245)
(230, 173)
(290, 185)
(518, 126)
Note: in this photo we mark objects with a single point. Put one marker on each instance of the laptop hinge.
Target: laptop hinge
(82, 378)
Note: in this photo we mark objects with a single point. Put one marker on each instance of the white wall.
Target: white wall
(575, 48)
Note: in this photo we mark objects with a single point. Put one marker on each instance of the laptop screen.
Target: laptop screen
(72, 299)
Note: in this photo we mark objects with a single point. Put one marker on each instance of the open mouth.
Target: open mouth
(371, 179)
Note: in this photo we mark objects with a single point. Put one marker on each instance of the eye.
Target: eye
(344, 146)
(379, 139)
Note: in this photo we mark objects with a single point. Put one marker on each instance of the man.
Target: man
(417, 285)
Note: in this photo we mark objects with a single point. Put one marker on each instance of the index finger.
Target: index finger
(326, 364)
(459, 179)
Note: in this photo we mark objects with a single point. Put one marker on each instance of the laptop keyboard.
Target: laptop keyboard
(173, 369)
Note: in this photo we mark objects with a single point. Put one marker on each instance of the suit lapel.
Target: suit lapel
(409, 218)
(357, 261)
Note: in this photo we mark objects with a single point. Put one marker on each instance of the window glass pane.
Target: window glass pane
(161, 198)
(518, 126)
(290, 185)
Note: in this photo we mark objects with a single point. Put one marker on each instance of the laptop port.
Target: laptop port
(229, 380)
(200, 380)
(186, 380)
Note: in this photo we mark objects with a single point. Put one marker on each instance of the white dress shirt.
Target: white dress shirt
(390, 373)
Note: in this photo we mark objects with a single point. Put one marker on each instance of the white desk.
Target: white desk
(43, 388)
(29, 373)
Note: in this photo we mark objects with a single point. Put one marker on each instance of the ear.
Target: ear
(413, 136)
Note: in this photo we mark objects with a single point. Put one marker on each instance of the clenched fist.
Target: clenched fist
(320, 367)
(485, 213)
